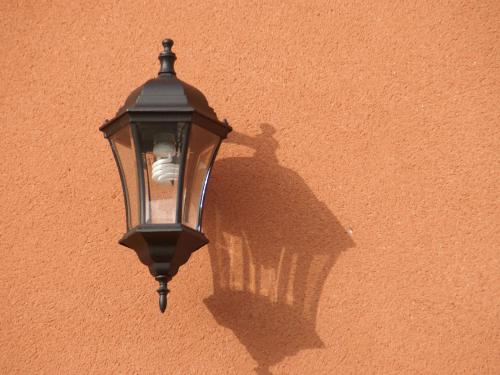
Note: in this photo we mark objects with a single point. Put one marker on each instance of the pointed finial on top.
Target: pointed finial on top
(167, 43)
(167, 58)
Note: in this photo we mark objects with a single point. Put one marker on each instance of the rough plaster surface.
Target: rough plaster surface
(353, 213)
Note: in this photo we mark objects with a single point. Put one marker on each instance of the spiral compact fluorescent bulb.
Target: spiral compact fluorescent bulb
(165, 169)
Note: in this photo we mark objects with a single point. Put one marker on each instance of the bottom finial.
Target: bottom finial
(162, 291)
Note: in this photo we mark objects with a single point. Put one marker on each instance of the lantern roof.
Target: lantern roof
(167, 93)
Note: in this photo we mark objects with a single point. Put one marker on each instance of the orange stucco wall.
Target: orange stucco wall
(353, 213)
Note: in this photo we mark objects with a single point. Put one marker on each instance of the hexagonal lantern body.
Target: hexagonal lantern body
(164, 139)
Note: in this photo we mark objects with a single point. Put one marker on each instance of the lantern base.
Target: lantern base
(163, 248)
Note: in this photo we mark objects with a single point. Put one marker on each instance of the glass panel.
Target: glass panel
(202, 145)
(161, 152)
(122, 144)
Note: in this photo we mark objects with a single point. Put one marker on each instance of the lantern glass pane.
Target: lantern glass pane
(202, 147)
(122, 144)
(161, 154)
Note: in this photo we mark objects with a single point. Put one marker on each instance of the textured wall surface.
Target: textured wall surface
(353, 214)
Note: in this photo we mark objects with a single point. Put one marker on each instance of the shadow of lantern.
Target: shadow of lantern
(273, 244)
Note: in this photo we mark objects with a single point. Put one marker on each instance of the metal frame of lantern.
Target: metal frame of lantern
(161, 103)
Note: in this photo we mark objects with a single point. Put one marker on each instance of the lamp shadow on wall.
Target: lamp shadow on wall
(273, 244)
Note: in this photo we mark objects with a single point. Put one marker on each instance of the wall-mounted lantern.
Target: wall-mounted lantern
(164, 139)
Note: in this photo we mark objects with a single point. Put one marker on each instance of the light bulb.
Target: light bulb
(165, 168)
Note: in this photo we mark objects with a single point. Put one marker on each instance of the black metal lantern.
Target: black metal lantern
(164, 139)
